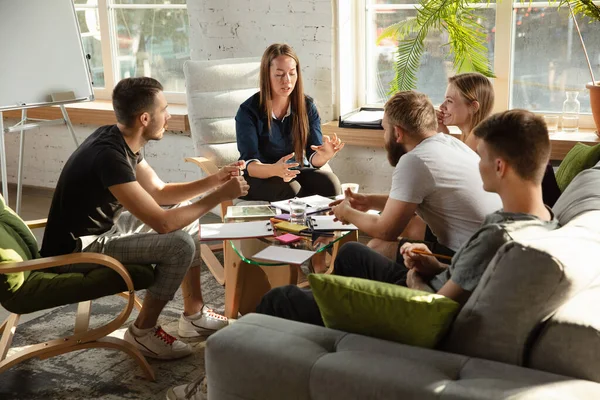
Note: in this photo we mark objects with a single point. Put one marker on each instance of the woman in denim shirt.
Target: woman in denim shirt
(279, 134)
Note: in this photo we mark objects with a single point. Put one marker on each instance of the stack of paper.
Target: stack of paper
(284, 255)
(239, 230)
(314, 204)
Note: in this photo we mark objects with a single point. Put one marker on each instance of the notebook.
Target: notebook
(314, 204)
(327, 223)
(236, 230)
(284, 255)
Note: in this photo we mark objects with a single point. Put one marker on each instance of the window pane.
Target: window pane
(549, 60)
(154, 43)
(90, 35)
(436, 64)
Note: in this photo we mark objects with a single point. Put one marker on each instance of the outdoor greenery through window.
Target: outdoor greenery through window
(129, 38)
(546, 55)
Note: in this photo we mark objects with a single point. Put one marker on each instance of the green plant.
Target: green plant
(466, 35)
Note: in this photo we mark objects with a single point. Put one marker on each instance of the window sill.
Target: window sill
(100, 112)
(561, 142)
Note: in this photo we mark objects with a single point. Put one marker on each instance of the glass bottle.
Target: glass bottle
(570, 114)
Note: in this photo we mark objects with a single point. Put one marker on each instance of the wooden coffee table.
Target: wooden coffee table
(247, 279)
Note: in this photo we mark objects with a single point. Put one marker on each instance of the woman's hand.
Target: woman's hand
(329, 148)
(229, 171)
(282, 168)
(426, 266)
(440, 119)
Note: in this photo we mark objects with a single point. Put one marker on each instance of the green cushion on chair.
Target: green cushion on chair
(45, 289)
(382, 310)
(579, 158)
(17, 243)
(29, 291)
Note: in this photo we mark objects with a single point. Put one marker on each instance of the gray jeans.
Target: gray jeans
(132, 242)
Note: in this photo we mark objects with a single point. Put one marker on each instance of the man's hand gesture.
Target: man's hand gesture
(229, 171)
(235, 187)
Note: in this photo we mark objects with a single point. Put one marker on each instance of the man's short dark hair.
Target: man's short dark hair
(133, 97)
(521, 138)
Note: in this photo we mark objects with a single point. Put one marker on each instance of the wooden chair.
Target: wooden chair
(28, 284)
(215, 90)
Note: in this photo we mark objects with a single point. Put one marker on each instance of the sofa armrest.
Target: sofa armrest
(244, 359)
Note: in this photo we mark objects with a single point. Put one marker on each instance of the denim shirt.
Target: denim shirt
(255, 142)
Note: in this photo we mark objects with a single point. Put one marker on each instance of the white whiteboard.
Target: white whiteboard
(40, 53)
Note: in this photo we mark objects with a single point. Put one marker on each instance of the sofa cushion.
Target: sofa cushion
(579, 158)
(525, 284)
(382, 310)
(568, 343)
(581, 195)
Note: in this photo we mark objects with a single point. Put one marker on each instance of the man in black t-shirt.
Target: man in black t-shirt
(107, 174)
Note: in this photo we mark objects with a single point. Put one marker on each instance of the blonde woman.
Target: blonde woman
(279, 134)
(469, 100)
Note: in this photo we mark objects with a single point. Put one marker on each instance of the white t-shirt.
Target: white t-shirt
(441, 174)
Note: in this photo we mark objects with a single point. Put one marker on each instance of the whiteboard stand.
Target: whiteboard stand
(22, 126)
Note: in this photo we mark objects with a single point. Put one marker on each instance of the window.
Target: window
(533, 48)
(127, 38)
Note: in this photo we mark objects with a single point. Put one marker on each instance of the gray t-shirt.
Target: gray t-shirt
(441, 174)
(471, 261)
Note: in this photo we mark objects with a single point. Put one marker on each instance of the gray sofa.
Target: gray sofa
(531, 330)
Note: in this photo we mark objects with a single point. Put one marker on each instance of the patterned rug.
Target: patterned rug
(98, 373)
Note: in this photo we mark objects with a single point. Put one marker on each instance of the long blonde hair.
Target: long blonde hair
(474, 86)
(298, 102)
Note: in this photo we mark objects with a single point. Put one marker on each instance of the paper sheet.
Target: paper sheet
(284, 255)
(327, 223)
(237, 230)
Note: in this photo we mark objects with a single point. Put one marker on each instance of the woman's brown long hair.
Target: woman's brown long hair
(299, 113)
(474, 86)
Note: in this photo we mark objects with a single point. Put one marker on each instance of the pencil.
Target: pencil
(442, 256)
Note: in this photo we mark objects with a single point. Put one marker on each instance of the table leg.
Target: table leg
(246, 284)
(351, 237)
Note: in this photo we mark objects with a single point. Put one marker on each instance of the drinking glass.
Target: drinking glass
(551, 123)
(297, 211)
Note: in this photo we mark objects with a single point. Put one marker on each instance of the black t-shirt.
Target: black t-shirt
(82, 204)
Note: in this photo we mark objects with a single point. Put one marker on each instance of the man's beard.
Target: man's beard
(394, 151)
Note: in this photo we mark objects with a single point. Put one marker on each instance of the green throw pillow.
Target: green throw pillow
(579, 158)
(382, 310)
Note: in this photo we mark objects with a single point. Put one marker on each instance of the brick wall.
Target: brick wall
(245, 28)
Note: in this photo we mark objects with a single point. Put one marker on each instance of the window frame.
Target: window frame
(503, 49)
(107, 24)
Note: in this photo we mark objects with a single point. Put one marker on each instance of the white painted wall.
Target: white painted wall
(225, 29)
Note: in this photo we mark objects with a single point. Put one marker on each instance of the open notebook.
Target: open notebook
(236, 230)
(314, 204)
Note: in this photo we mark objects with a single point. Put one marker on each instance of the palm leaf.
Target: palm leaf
(399, 30)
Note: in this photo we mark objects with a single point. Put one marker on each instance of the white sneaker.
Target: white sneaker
(192, 391)
(158, 344)
(209, 321)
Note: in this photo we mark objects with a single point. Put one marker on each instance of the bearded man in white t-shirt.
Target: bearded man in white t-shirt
(436, 176)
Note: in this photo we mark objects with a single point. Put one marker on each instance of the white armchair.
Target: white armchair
(215, 89)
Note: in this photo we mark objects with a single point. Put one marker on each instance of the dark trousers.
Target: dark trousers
(353, 260)
(308, 182)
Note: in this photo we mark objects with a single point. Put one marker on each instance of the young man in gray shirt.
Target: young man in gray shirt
(514, 148)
